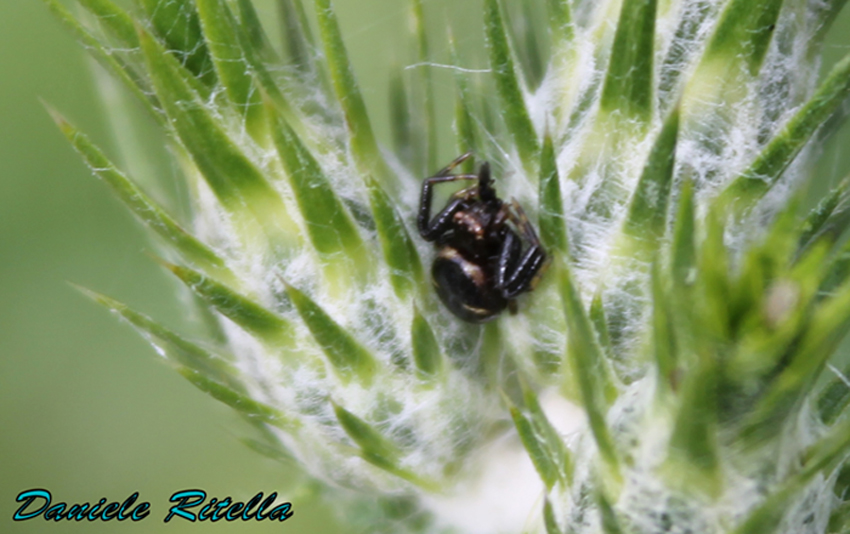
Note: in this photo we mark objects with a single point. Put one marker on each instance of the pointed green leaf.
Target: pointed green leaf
(663, 334)
(590, 368)
(430, 119)
(329, 226)
(400, 253)
(176, 22)
(148, 211)
(401, 123)
(426, 349)
(676, 62)
(600, 324)
(375, 448)
(553, 226)
(253, 317)
(171, 345)
(467, 140)
(345, 354)
(299, 40)
(253, 29)
(369, 439)
(818, 218)
(768, 167)
(822, 457)
(683, 253)
(522, 25)
(714, 282)
(628, 85)
(508, 87)
(692, 459)
(647, 216)
(610, 523)
(239, 402)
(830, 219)
(117, 21)
(540, 437)
(220, 34)
(536, 450)
(560, 23)
(827, 326)
(235, 179)
(744, 32)
(363, 144)
(835, 397)
(549, 521)
(109, 61)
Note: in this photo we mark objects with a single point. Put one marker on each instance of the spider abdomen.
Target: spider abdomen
(466, 287)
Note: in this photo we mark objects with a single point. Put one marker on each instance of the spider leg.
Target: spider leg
(431, 229)
(518, 272)
(457, 161)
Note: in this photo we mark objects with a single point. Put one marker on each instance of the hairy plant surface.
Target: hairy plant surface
(671, 372)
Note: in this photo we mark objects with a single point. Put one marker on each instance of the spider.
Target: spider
(480, 266)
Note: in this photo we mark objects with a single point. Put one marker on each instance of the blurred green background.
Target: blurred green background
(87, 409)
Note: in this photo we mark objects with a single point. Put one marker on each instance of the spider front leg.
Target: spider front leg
(432, 229)
(519, 272)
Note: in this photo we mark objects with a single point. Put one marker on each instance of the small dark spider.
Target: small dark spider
(480, 266)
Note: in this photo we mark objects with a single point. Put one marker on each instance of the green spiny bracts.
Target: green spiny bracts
(672, 371)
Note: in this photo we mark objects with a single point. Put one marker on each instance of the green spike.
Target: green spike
(235, 179)
(345, 354)
(628, 85)
(548, 436)
(253, 29)
(600, 324)
(176, 22)
(110, 62)
(400, 253)
(549, 521)
(647, 215)
(610, 523)
(329, 226)
(553, 227)
(744, 32)
(363, 144)
(430, 119)
(834, 398)
(827, 326)
(375, 448)
(683, 251)
(590, 369)
(148, 211)
(822, 457)
(522, 27)
(536, 449)
(692, 458)
(715, 283)
(251, 316)
(770, 164)
(508, 87)
(426, 349)
(829, 219)
(400, 119)
(117, 21)
(219, 31)
(239, 402)
(663, 334)
(467, 140)
(171, 345)
(299, 39)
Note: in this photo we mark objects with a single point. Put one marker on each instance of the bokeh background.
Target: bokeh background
(87, 409)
